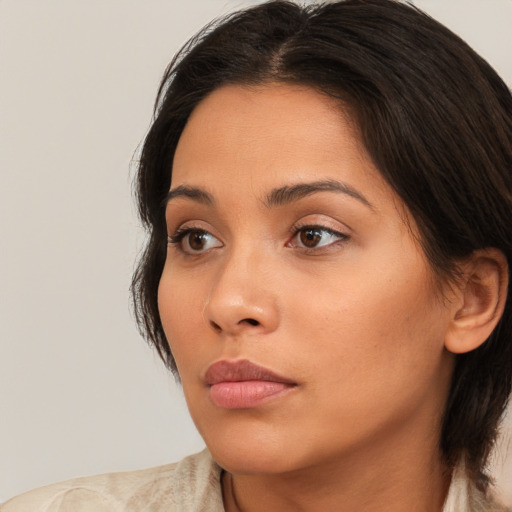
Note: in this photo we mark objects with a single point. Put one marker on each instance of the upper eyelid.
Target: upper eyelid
(199, 225)
(321, 227)
(333, 226)
(324, 215)
(311, 219)
(330, 231)
(185, 230)
(294, 228)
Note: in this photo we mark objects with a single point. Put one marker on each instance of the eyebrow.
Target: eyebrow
(194, 193)
(276, 197)
(290, 193)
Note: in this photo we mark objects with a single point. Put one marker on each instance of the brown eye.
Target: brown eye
(310, 237)
(193, 241)
(197, 240)
(316, 237)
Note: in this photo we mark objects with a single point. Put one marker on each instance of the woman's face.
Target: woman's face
(293, 270)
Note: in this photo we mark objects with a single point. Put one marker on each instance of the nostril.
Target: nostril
(245, 321)
(216, 327)
(250, 321)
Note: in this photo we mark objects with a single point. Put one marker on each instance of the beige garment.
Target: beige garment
(192, 485)
(464, 497)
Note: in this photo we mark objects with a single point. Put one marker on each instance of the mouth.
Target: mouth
(243, 385)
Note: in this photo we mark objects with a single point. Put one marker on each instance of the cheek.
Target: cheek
(384, 326)
(382, 358)
(181, 305)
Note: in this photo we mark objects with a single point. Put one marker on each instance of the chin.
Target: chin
(253, 461)
(250, 452)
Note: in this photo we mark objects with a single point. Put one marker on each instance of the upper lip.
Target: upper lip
(241, 370)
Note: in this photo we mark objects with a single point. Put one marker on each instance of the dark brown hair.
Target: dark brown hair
(436, 120)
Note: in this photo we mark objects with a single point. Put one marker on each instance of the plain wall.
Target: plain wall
(81, 393)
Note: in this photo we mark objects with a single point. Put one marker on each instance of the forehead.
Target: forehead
(242, 137)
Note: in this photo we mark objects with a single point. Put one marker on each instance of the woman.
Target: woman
(327, 192)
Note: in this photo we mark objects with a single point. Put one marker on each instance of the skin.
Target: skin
(355, 321)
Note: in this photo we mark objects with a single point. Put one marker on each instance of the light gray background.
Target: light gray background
(80, 393)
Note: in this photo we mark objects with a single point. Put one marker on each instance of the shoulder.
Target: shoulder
(191, 484)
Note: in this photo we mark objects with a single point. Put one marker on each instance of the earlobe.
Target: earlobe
(482, 293)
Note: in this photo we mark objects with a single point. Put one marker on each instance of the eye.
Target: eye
(312, 237)
(193, 240)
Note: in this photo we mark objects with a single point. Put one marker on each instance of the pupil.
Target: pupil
(310, 237)
(197, 241)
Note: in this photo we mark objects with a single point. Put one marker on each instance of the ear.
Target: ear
(481, 296)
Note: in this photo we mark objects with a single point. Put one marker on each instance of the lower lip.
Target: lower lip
(246, 394)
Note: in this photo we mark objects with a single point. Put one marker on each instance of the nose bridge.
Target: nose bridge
(242, 295)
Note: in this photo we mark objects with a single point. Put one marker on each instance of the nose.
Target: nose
(243, 298)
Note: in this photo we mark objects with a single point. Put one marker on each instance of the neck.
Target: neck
(401, 476)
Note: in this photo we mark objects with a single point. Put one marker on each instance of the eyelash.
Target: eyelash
(177, 238)
(180, 234)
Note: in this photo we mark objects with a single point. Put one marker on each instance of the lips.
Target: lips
(242, 384)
